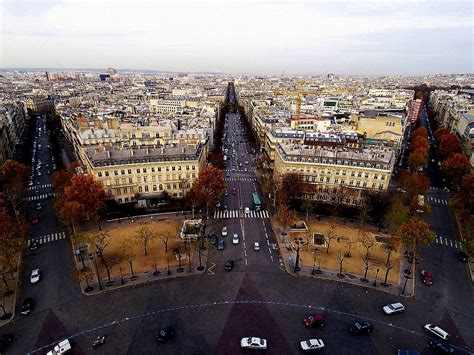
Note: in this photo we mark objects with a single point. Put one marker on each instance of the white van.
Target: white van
(437, 331)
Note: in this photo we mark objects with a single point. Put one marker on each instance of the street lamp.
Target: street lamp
(299, 242)
(92, 257)
(376, 274)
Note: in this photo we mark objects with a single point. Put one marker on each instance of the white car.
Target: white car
(437, 331)
(394, 308)
(247, 210)
(35, 276)
(224, 231)
(256, 246)
(235, 239)
(311, 344)
(253, 343)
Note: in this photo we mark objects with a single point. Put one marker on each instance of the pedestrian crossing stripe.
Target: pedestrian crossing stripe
(241, 214)
(437, 200)
(41, 197)
(240, 179)
(48, 238)
(44, 186)
(448, 242)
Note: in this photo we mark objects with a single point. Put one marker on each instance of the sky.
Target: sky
(250, 37)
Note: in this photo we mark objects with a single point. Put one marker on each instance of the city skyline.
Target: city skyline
(251, 37)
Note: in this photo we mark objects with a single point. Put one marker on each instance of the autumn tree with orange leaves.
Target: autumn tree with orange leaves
(209, 187)
(14, 179)
(416, 232)
(448, 144)
(454, 168)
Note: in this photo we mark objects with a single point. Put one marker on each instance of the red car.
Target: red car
(314, 320)
(427, 277)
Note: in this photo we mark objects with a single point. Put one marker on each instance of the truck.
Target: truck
(62, 347)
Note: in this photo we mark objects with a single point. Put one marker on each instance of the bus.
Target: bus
(257, 205)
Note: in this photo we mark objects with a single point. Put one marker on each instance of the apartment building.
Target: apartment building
(40, 104)
(328, 167)
(13, 121)
(166, 106)
(144, 174)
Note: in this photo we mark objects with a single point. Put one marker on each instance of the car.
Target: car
(441, 346)
(242, 155)
(39, 173)
(213, 239)
(218, 204)
(312, 344)
(34, 245)
(229, 265)
(240, 164)
(226, 193)
(227, 175)
(30, 183)
(38, 207)
(407, 352)
(462, 256)
(35, 276)
(246, 162)
(247, 210)
(235, 239)
(165, 334)
(360, 327)
(225, 207)
(245, 169)
(5, 341)
(27, 306)
(427, 277)
(393, 308)
(436, 331)
(224, 231)
(314, 320)
(34, 218)
(256, 246)
(253, 343)
(220, 245)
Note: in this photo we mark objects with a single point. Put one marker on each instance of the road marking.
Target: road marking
(271, 256)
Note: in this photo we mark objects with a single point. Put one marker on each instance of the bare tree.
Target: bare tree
(340, 258)
(165, 238)
(109, 263)
(330, 236)
(145, 235)
(99, 241)
(127, 253)
(366, 261)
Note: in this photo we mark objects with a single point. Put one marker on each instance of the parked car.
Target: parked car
(38, 207)
(441, 346)
(253, 343)
(360, 327)
(427, 277)
(229, 265)
(314, 320)
(165, 334)
(462, 256)
(235, 239)
(213, 239)
(312, 344)
(34, 245)
(224, 231)
(220, 245)
(393, 308)
(5, 341)
(27, 306)
(35, 276)
(436, 331)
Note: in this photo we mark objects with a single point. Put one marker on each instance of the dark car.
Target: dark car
(229, 265)
(34, 245)
(38, 207)
(5, 341)
(441, 346)
(360, 327)
(27, 306)
(220, 245)
(165, 334)
(408, 352)
(462, 256)
(314, 320)
(427, 277)
(213, 239)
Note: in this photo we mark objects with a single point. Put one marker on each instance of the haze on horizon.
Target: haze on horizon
(264, 37)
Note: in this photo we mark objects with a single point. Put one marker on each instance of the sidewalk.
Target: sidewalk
(308, 271)
(9, 302)
(142, 278)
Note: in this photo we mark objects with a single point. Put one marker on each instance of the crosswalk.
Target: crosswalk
(41, 197)
(438, 189)
(438, 201)
(448, 242)
(240, 179)
(241, 214)
(249, 170)
(48, 238)
(36, 187)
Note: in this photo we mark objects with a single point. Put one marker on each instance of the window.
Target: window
(154, 188)
(140, 189)
(117, 182)
(179, 168)
(187, 167)
(168, 186)
(122, 172)
(382, 177)
(138, 171)
(159, 169)
(99, 174)
(145, 179)
(352, 173)
(115, 172)
(351, 182)
(152, 170)
(129, 171)
(366, 175)
(376, 176)
(161, 187)
(139, 179)
(144, 170)
(193, 167)
(173, 168)
(130, 180)
(146, 188)
(321, 179)
(153, 178)
(106, 173)
(380, 186)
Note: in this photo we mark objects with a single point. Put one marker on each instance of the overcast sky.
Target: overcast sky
(266, 37)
